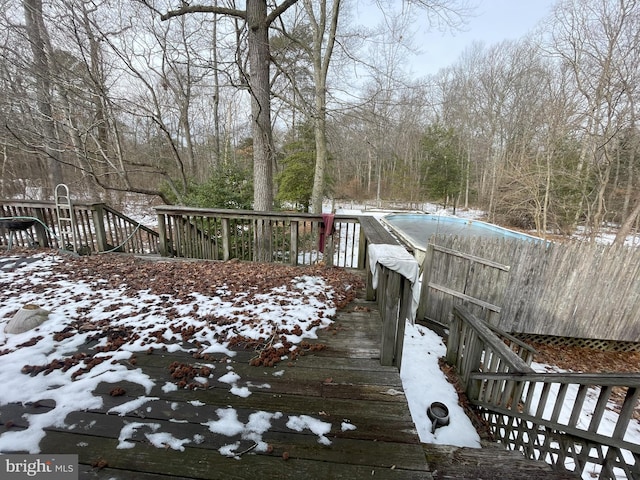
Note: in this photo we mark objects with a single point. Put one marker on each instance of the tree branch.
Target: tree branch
(185, 9)
(279, 10)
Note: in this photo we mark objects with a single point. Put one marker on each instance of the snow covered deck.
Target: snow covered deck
(332, 413)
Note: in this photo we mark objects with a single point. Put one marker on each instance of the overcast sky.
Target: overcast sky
(494, 21)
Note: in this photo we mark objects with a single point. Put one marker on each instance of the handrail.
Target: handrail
(289, 237)
(98, 227)
(230, 213)
(125, 231)
(393, 279)
(548, 422)
(543, 414)
(473, 346)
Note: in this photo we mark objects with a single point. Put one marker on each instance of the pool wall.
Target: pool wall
(415, 229)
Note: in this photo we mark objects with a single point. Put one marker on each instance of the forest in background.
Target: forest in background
(109, 98)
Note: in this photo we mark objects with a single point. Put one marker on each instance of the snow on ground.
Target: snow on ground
(151, 322)
(43, 364)
(424, 383)
(146, 316)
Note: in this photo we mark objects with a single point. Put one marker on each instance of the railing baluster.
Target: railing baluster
(601, 406)
(626, 412)
(577, 405)
(294, 226)
(542, 402)
(559, 402)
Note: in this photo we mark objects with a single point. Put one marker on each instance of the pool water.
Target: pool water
(417, 228)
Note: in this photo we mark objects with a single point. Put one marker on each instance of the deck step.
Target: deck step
(487, 463)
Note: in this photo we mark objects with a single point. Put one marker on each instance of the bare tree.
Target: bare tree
(41, 69)
(594, 39)
(257, 19)
(324, 28)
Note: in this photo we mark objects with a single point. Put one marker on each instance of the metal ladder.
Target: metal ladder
(66, 219)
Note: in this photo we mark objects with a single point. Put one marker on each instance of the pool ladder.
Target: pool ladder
(66, 220)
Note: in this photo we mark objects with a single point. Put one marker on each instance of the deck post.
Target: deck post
(293, 249)
(162, 232)
(389, 312)
(226, 255)
(362, 250)
(371, 292)
(406, 294)
(41, 233)
(97, 212)
(453, 342)
(424, 292)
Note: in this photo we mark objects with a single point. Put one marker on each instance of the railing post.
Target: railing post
(41, 232)
(97, 213)
(453, 342)
(328, 249)
(406, 296)
(370, 293)
(162, 239)
(293, 248)
(226, 254)
(426, 276)
(362, 249)
(389, 312)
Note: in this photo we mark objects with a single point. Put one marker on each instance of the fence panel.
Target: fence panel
(453, 276)
(577, 290)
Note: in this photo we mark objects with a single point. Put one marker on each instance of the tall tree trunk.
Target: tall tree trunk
(38, 37)
(626, 226)
(263, 149)
(216, 95)
(320, 72)
(97, 76)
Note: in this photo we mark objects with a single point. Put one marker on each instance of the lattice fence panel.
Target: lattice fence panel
(563, 451)
(606, 345)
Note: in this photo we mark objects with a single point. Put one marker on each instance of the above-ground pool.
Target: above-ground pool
(416, 229)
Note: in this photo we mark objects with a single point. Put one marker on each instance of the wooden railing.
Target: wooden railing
(294, 238)
(475, 346)
(394, 296)
(392, 289)
(99, 228)
(574, 421)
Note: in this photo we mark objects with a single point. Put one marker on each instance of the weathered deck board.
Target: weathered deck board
(203, 463)
(489, 463)
(375, 232)
(345, 382)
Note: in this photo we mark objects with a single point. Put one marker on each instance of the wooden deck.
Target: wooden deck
(345, 382)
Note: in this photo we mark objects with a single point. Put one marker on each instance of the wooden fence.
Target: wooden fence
(577, 290)
(452, 276)
(295, 238)
(574, 421)
(99, 228)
